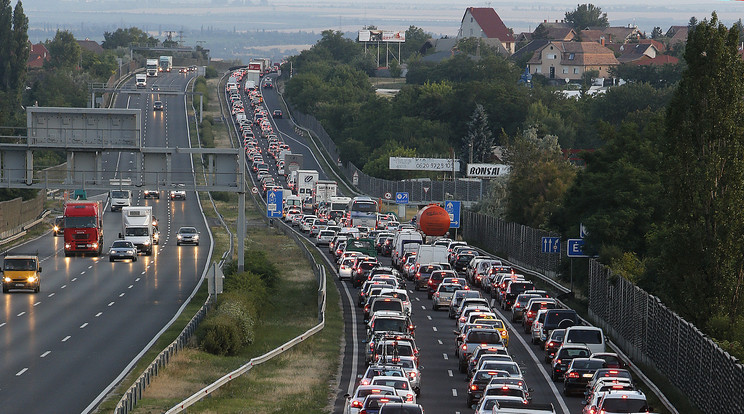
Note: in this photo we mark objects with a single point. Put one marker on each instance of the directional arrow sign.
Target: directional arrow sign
(401, 198)
(274, 201)
(453, 209)
(551, 244)
(575, 248)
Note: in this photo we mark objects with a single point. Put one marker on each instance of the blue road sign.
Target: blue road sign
(551, 244)
(453, 209)
(274, 202)
(401, 198)
(575, 248)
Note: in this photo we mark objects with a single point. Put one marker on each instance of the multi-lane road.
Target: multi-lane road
(443, 388)
(65, 347)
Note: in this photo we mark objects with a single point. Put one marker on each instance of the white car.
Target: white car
(402, 387)
(307, 222)
(408, 363)
(324, 237)
(344, 271)
(354, 402)
(400, 294)
(178, 193)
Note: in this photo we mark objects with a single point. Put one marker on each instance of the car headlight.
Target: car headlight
(130, 251)
(95, 245)
(147, 242)
(111, 252)
(179, 237)
(67, 245)
(196, 237)
(32, 279)
(56, 228)
(7, 279)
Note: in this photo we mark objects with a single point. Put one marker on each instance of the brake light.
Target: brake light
(358, 404)
(557, 361)
(412, 374)
(551, 344)
(409, 397)
(530, 314)
(464, 347)
(474, 387)
(365, 381)
(503, 333)
(573, 375)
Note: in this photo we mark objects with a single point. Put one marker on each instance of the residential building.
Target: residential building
(90, 45)
(570, 60)
(37, 55)
(677, 34)
(484, 22)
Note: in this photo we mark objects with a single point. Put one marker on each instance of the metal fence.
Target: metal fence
(651, 333)
(520, 244)
(419, 192)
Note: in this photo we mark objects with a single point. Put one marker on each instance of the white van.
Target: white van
(405, 241)
(589, 336)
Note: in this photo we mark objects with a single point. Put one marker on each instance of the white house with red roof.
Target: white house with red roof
(485, 22)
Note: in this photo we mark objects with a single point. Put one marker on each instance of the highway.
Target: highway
(443, 388)
(64, 348)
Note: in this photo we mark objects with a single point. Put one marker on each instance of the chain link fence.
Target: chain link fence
(522, 245)
(651, 333)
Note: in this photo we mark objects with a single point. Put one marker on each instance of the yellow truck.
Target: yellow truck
(21, 272)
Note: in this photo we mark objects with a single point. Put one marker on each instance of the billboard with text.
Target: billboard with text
(422, 164)
(398, 36)
(487, 170)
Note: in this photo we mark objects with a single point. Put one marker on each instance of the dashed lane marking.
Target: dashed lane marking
(445, 356)
(45, 354)
(99, 314)
(21, 314)
(440, 341)
(66, 338)
(19, 373)
(449, 372)
(84, 325)
(37, 303)
(454, 392)
(434, 328)
(111, 304)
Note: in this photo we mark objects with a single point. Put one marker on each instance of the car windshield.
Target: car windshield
(506, 391)
(386, 305)
(482, 376)
(367, 391)
(20, 264)
(394, 325)
(384, 372)
(449, 288)
(137, 231)
(624, 405)
(403, 350)
(397, 384)
(587, 364)
(509, 367)
(185, 230)
(119, 194)
(484, 337)
(584, 336)
(575, 353)
(121, 244)
(80, 222)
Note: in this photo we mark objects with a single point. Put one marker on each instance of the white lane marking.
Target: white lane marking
(434, 328)
(73, 279)
(143, 272)
(418, 300)
(122, 294)
(37, 303)
(99, 314)
(83, 272)
(84, 325)
(130, 286)
(428, 317)
(50, 295)
(423, 307)
(63, 286)
(354, 345)
(410, 291)
(111, 304)
(137, 280)
(2, 324)
(90, 266)
(454, 392)
(45, 354)
(445, 356)
(440, 341)
(449, 372)
(21, 372)
(21, 314)
(66, 338)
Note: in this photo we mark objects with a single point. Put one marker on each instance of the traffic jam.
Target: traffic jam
(406, 271)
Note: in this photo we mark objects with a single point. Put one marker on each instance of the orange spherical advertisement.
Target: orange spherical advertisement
(433, 220)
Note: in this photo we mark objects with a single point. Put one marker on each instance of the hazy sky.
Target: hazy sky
(436, 16)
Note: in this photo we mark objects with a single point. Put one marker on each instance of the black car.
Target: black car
(478, 383)
(563, 358)
(59, 226)
(513, 290)
(157, 106)
(578, 374)
(277, 113)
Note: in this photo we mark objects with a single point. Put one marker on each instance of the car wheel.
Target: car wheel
(533, 340)
(38, 289)
(565, 391)
(178, 243)
(5, 289)
(197, 243)
(111, 259)
(434, 306)
(134, 259)
(469, 402)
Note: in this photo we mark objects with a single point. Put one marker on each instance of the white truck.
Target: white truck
(140, 80)
(306, 180)
(338, 207)
(119, 196)
(166, 63)
(250, 85)
(137, 227)
(405, 241)
(151, 67)
(324, 191)
(428, 254)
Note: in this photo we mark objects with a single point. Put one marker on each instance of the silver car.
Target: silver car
(187, 235)
(324, 237)
(443, 296)
(121, 250)
(408, 363)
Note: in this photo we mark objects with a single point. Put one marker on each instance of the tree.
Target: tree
(395, 69)
(415, 38)
(700, 265)
(126, 37)
(538, 179)
(478, 144)
(6, 43)
(587, 15)
(657, 33)
(19, 55)
(64, 51)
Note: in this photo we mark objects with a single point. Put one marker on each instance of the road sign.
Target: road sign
(274, 203)
(388, 196)
(401, 198)
(254, 190)
(355, 178)
(551, 244)
(453, 209)
(583, 231)
(575, 248)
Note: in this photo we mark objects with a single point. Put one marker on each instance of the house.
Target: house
(570, 60)
(90, 45)
(631, 52)
(659, 60)
(558, 30)
(485, 22)
(677, 34)
(594, 35)
(37, 55)
(620, 34)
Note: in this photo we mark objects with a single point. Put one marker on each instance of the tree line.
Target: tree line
(661, 183)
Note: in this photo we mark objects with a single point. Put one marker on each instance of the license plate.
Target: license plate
(20, 284)
(588, 375)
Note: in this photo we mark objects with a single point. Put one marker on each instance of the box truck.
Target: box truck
(152, 67)
(136, 226)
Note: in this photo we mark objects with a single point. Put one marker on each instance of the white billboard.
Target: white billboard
(422, 164)
(487, 170)
(392, 36)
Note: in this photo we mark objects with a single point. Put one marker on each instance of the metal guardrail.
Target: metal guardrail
(196, 397)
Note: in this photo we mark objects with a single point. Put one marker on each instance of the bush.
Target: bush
(238, 308)
(257, 263)
(219, 336)
(221, 196)
(206, 134)
(211, 72)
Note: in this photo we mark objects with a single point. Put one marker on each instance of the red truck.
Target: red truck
(83, 227)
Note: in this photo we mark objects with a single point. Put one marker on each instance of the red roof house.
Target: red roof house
(485, 22)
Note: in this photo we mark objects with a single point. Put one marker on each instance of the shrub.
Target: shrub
(221, 196)
(211, 72)
(255, 262)
(236, 307)
(219, 335)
